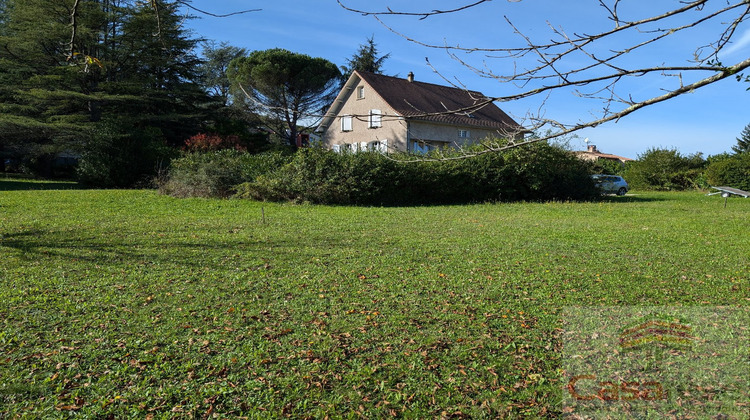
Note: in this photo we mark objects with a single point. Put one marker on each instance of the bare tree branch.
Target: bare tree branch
(594, 61)
(190, 6)
(422, 15)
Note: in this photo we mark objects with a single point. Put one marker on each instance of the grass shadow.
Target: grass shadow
(631, 198)
(72, 246)
(19, 184)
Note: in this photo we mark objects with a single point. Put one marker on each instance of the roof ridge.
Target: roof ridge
(402, 80)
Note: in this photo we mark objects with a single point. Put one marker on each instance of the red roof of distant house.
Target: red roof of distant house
(592, 151)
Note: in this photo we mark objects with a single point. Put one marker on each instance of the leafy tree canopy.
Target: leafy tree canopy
(288, 88)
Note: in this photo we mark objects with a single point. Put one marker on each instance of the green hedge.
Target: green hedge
(533, 173)
(733, 171)
(215, 174)
(665, 170)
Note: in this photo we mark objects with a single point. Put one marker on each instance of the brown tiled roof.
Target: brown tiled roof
(593, 152)
(436, 103)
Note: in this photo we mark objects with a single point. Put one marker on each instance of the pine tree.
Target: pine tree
(743, 142)
(290, 88)
(156, 73)
(365, 59)
(213, 71)
(125, 66)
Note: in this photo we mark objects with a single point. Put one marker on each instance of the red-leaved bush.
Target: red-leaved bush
(208, 142)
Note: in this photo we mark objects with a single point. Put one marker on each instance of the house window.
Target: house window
(361, 92)
(346, 123)
(380, 146)
(375, 118)
(422, 147)
(346, 148)
(464, 134)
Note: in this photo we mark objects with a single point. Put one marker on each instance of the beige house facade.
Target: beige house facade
(384, 113)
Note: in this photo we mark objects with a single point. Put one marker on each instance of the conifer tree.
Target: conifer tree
(743, 142)
(365, 59)
(288, 88)
(122, 65)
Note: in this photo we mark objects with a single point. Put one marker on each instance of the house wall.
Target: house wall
(393, 128)
(399, 132)
(448, 134)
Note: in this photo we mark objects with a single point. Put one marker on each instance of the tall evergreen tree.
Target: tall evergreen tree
(65, 70)
(156, 70)
(42, 95)
(365, 59)
(213, 71)
(743, 142)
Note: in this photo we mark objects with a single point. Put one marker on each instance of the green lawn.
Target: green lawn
(132, 304)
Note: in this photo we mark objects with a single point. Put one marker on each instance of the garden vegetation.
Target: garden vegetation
(535, 173)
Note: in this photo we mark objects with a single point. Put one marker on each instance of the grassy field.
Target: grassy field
(134, 305)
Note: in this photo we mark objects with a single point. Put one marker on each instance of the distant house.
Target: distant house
(593, 154)
(384, 113)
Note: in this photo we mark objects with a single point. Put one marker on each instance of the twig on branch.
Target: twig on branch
(190, 6)
(556, 64)
(422, 15)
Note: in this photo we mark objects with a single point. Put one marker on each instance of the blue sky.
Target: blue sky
(707, 120)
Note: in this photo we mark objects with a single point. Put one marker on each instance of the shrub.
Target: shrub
(215, 174)
(732, 171)
(116, 156)
(536, 172)
(203, 142)
(608, 167)
(665, 169)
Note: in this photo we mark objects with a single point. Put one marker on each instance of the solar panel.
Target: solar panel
(730, 191)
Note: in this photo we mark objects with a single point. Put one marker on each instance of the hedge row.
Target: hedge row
(215, 174)
(668, 170)
(731, 171)
(534, 173)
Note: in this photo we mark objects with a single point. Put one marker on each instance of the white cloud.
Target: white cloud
(738, 45)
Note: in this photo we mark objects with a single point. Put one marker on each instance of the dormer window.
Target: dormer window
(361, 92)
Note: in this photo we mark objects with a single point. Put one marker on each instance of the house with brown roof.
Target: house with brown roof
(384, 113)
(593, 154)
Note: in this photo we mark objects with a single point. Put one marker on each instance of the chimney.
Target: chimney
(410, 77)
(592, 149)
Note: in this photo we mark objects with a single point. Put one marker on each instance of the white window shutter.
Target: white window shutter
(363, 146)
(337, 148)
(383, 147)
(375, 118)
(346, 123)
